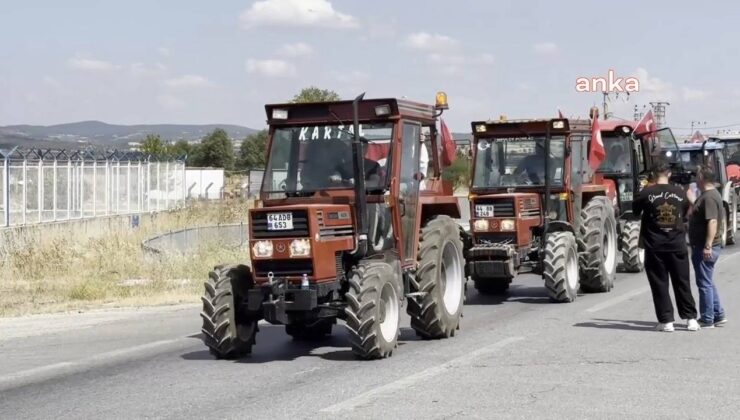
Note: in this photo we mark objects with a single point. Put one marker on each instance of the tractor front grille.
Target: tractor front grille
(495, 238)
(283, 268)
(300, 225)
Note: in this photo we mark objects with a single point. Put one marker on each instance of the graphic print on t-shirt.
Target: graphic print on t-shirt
(667, 215)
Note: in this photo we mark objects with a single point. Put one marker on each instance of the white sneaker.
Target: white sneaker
(667, 327)
(692, 325)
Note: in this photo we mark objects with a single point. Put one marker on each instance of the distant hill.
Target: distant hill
(98, 133)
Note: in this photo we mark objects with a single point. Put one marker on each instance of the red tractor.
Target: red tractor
(535, 206)
(350, 226)
(621, 172)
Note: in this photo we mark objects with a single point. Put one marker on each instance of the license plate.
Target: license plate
(484, 210)
(279, 221)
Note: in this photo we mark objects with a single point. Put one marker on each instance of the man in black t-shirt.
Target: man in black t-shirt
(705, 231)
(663, 208)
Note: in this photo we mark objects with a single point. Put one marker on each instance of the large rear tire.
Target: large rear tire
(731, 221)
(560, 267)
(633, 257)
(373, 309)
(227, 332)
(597, 245)
(440, 279)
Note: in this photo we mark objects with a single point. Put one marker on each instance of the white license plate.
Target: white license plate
(279, 221)
(484, 210)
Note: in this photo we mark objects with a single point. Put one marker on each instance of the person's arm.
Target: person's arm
(712, 214)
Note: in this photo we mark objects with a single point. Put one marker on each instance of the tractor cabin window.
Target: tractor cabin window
(514, 162)
(618, 148)
(306, 159)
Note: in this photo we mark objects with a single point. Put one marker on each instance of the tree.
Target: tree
(216, 150)
(314, 94)
(253, 150)
(459, 171)
(153, 146)
(179, 149)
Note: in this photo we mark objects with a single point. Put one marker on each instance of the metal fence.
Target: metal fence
(40, 186)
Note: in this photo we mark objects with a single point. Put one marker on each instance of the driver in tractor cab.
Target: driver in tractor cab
(617, 160)
(534, 165)
(326, 163)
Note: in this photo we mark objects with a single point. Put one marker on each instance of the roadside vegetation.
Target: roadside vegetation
(72, 270)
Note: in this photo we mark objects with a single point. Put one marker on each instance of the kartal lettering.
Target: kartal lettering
(315, 132)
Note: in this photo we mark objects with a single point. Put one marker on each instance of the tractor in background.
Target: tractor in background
(623, 172)
(536, 207)
(348, 227)
(686, 158)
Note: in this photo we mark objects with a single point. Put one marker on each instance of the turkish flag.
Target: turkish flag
(448, 145)
(597, 152)
(646, 124)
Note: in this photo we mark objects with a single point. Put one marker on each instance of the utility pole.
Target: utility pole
(659, 111)
(603, 104)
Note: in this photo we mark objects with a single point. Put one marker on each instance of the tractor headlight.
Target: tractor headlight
(300, 248)
(262, 249)
(508, 225)
(480, 225)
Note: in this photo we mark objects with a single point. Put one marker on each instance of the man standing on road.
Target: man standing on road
(705, 227)
(663, 208)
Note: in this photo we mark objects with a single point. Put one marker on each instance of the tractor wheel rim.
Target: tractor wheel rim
(451, 278)
(571, 269)
(641, 256)
(610, 248)
(389, 313)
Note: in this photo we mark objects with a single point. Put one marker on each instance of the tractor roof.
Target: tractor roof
(725, 138)
(341, 111)
(516, 128)
(700, 146)
(611, 125)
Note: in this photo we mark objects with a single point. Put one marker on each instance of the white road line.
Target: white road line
(42, 373)
(618, 299)
(403, 383)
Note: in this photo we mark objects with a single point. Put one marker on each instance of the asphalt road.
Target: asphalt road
(514, 357)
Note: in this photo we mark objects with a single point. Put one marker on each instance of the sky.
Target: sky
(192, 61)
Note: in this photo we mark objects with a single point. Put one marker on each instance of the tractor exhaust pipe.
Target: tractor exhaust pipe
(359, 175)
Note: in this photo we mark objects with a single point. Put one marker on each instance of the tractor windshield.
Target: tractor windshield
(511, 162)
(617, 154)
(306, 159)
(732, 152)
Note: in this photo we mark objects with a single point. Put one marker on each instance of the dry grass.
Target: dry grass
(72, 270)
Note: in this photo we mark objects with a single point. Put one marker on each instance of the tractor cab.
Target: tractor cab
(532, 189)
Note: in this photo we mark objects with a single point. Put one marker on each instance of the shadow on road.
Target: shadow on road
(516, 293)
(273, 344)
(618, 324)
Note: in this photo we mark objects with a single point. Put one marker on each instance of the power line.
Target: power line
(709, 128)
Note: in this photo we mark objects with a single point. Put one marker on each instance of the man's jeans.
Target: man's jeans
(709, 305)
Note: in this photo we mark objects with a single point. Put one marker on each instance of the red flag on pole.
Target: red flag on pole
(597, 153)
(448, 144)
(646, 124)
